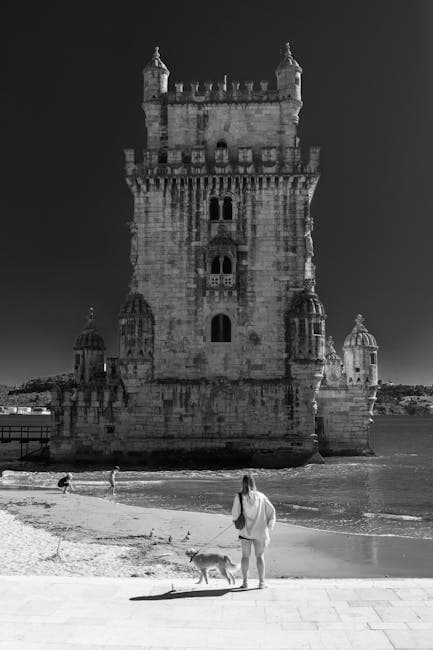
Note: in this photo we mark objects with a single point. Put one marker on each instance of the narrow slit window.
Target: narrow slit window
(227, 208)
(227, 265)
(221, 329)
(214, 209)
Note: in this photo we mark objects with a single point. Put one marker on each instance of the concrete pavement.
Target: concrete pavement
(70, 613)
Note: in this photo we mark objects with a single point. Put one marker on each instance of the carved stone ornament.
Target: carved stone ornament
(134, 242)
(359, 324)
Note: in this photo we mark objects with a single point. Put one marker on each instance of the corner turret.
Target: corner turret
(306, 352)
(360, 355)
(155, 77)
(89, 352)
(288, 75)
(307, 326)
(136, 340)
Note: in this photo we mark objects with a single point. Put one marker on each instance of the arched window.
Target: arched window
(227, 208)
(227, 265)
(216, 265)
(221, 144)
(214, 209)
(221, 329)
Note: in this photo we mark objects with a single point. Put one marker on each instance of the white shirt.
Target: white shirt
(259, 516)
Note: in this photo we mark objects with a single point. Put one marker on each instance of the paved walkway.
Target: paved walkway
(61, 613)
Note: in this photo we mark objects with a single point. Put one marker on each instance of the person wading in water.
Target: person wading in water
(112, 480)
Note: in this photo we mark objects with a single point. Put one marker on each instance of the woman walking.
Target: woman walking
(259, 516)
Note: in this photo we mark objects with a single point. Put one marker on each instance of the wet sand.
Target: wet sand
(119, 537)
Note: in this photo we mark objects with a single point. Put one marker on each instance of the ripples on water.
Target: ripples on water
(388, 494)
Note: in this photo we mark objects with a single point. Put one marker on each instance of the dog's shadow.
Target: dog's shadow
(192, 593)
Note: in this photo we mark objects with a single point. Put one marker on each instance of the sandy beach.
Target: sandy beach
(45, 532)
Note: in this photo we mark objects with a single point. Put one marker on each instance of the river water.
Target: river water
(390, 493)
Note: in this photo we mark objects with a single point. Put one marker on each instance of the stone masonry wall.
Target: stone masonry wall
(346, 421)
(172, 266)
(238, 124)
(192, 423)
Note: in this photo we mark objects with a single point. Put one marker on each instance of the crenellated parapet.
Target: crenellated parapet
(240, 161)
(78, 405)
(236, 91)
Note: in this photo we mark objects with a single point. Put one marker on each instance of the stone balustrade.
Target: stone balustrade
(225, 280)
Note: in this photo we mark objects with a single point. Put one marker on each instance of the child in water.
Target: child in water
(112, 480)
(65, 483)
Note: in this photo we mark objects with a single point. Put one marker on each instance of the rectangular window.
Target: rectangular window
(373, 358)
(317, 328)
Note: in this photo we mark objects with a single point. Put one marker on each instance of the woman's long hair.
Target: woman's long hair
(248, 486)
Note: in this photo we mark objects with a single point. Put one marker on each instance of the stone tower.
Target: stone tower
(222, 334)
(221, 234)
(221, 248)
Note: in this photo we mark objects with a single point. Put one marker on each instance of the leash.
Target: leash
(213, 539)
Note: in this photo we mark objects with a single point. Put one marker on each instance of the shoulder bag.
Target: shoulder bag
(240, 521)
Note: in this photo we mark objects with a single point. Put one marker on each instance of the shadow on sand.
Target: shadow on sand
(199, 593)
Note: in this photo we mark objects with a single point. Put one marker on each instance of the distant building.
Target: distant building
(222, 356)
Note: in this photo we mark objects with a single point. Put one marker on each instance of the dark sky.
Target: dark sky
(72, 95)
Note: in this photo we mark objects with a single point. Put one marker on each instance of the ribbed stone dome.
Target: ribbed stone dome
(307, 303)
(90, 337)
(135, 305)
(360, 336)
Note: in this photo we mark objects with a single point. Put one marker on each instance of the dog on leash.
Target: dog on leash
(206, 561)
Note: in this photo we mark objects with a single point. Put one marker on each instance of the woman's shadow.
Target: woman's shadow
(192, 593)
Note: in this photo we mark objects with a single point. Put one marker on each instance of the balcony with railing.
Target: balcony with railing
(224, 280)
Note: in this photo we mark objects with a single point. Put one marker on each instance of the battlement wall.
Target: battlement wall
(241, 161)
(236, 91)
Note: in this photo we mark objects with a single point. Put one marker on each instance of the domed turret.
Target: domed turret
(288, 75)
(360, 355)
(135, 305)
(136, 337)
(307, 325)
(89, 352)
(155, 75)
